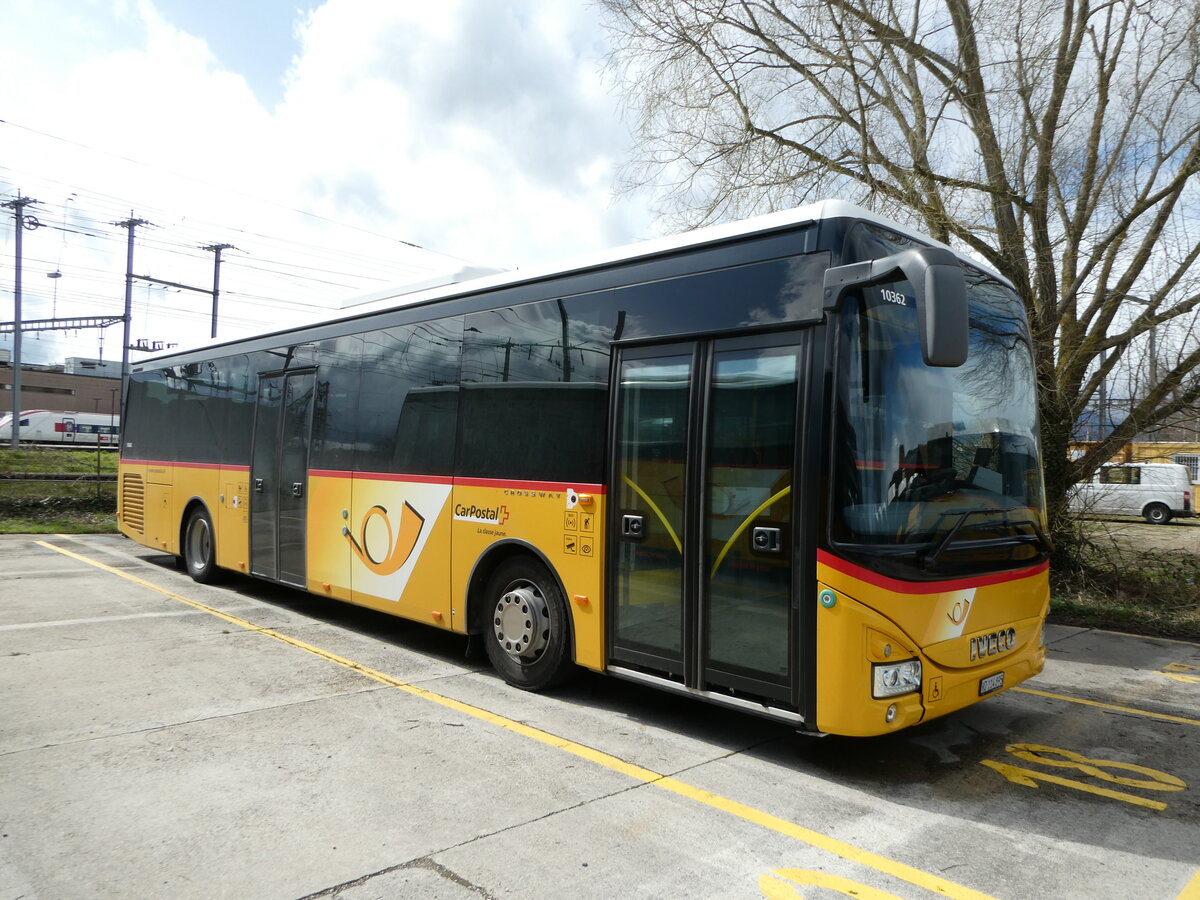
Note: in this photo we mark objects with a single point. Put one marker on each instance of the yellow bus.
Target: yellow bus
(789, 466)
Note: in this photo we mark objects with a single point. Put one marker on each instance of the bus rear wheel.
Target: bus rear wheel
(526, 631)
(199, 548)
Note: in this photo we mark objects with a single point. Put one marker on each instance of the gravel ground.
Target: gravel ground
(1179, 534)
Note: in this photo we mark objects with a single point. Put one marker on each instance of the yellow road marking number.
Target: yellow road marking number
(1178, 672)
(1154, 780)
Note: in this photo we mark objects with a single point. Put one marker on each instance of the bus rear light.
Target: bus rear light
(893, 679)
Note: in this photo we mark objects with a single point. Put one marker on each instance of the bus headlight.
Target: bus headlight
(893, 679)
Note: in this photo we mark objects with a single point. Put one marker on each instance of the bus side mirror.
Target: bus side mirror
(941, 288)
(941, 305)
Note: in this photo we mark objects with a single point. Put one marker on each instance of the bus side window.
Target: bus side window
(536, 369)
(408, 365)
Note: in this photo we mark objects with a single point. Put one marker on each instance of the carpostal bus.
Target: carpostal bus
(789, 466)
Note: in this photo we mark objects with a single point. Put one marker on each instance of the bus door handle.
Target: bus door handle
(633, 527)
(767, 540)
(297, 489)
(258, 485)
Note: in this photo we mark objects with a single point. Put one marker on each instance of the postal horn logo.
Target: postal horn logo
(958, 612)
(400, 544)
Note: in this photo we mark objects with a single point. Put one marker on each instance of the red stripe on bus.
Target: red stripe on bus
(391, 476)
(925, 587)
(382, 476)
(183, 465)
(530, 485)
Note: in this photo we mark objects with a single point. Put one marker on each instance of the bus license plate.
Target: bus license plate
(991, 683)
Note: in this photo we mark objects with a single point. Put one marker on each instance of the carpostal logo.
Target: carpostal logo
(486, 515)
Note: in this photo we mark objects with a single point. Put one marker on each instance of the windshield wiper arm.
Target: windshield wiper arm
(929, 558)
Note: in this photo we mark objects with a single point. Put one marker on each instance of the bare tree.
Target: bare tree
(1059, 140)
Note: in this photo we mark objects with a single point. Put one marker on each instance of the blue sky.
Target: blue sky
(255, 39)
(323, 141)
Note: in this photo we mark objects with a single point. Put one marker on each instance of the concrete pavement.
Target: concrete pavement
(161, 738)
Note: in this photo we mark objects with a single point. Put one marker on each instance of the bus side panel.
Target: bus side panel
(192, 481)
(582, 574)
(329, 554)
(961, 633)
(232, 519)
(565, 524)
(159, 523)
(398, 537)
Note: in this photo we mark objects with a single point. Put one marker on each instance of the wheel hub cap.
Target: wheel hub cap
(198, 544)
(522, 623)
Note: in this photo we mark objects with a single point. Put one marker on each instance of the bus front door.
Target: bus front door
(702, 589)
(279, 477)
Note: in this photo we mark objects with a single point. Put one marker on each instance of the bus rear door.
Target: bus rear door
(279, 477)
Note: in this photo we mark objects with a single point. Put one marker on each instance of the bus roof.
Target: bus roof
(469, 281)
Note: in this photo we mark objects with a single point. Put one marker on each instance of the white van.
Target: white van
(1156, 491)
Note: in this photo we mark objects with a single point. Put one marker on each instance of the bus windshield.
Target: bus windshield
(937, 470)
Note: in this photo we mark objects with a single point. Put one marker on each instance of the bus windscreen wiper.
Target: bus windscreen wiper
(1037, 535)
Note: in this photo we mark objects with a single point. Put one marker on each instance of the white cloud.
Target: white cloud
(471, 117)
(469, 127)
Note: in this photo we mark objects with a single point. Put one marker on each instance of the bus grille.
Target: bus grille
(133, 502)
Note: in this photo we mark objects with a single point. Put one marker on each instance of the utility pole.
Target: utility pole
(18, 208)
(131, 223)
(216, 249)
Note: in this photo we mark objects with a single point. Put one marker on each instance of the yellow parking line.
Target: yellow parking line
(1182, 720)
(1191, 891)
(724, 804)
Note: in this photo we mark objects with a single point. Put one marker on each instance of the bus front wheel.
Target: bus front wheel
(526, 630)
(199, 548)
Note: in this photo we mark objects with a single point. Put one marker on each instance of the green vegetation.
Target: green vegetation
(75, 461)
(49, 507)
(1131, 577)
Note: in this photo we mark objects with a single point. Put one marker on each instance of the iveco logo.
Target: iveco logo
(992, 644)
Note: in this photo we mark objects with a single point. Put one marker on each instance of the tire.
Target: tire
(200, 548)
(526, 628)
(1157, 514)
